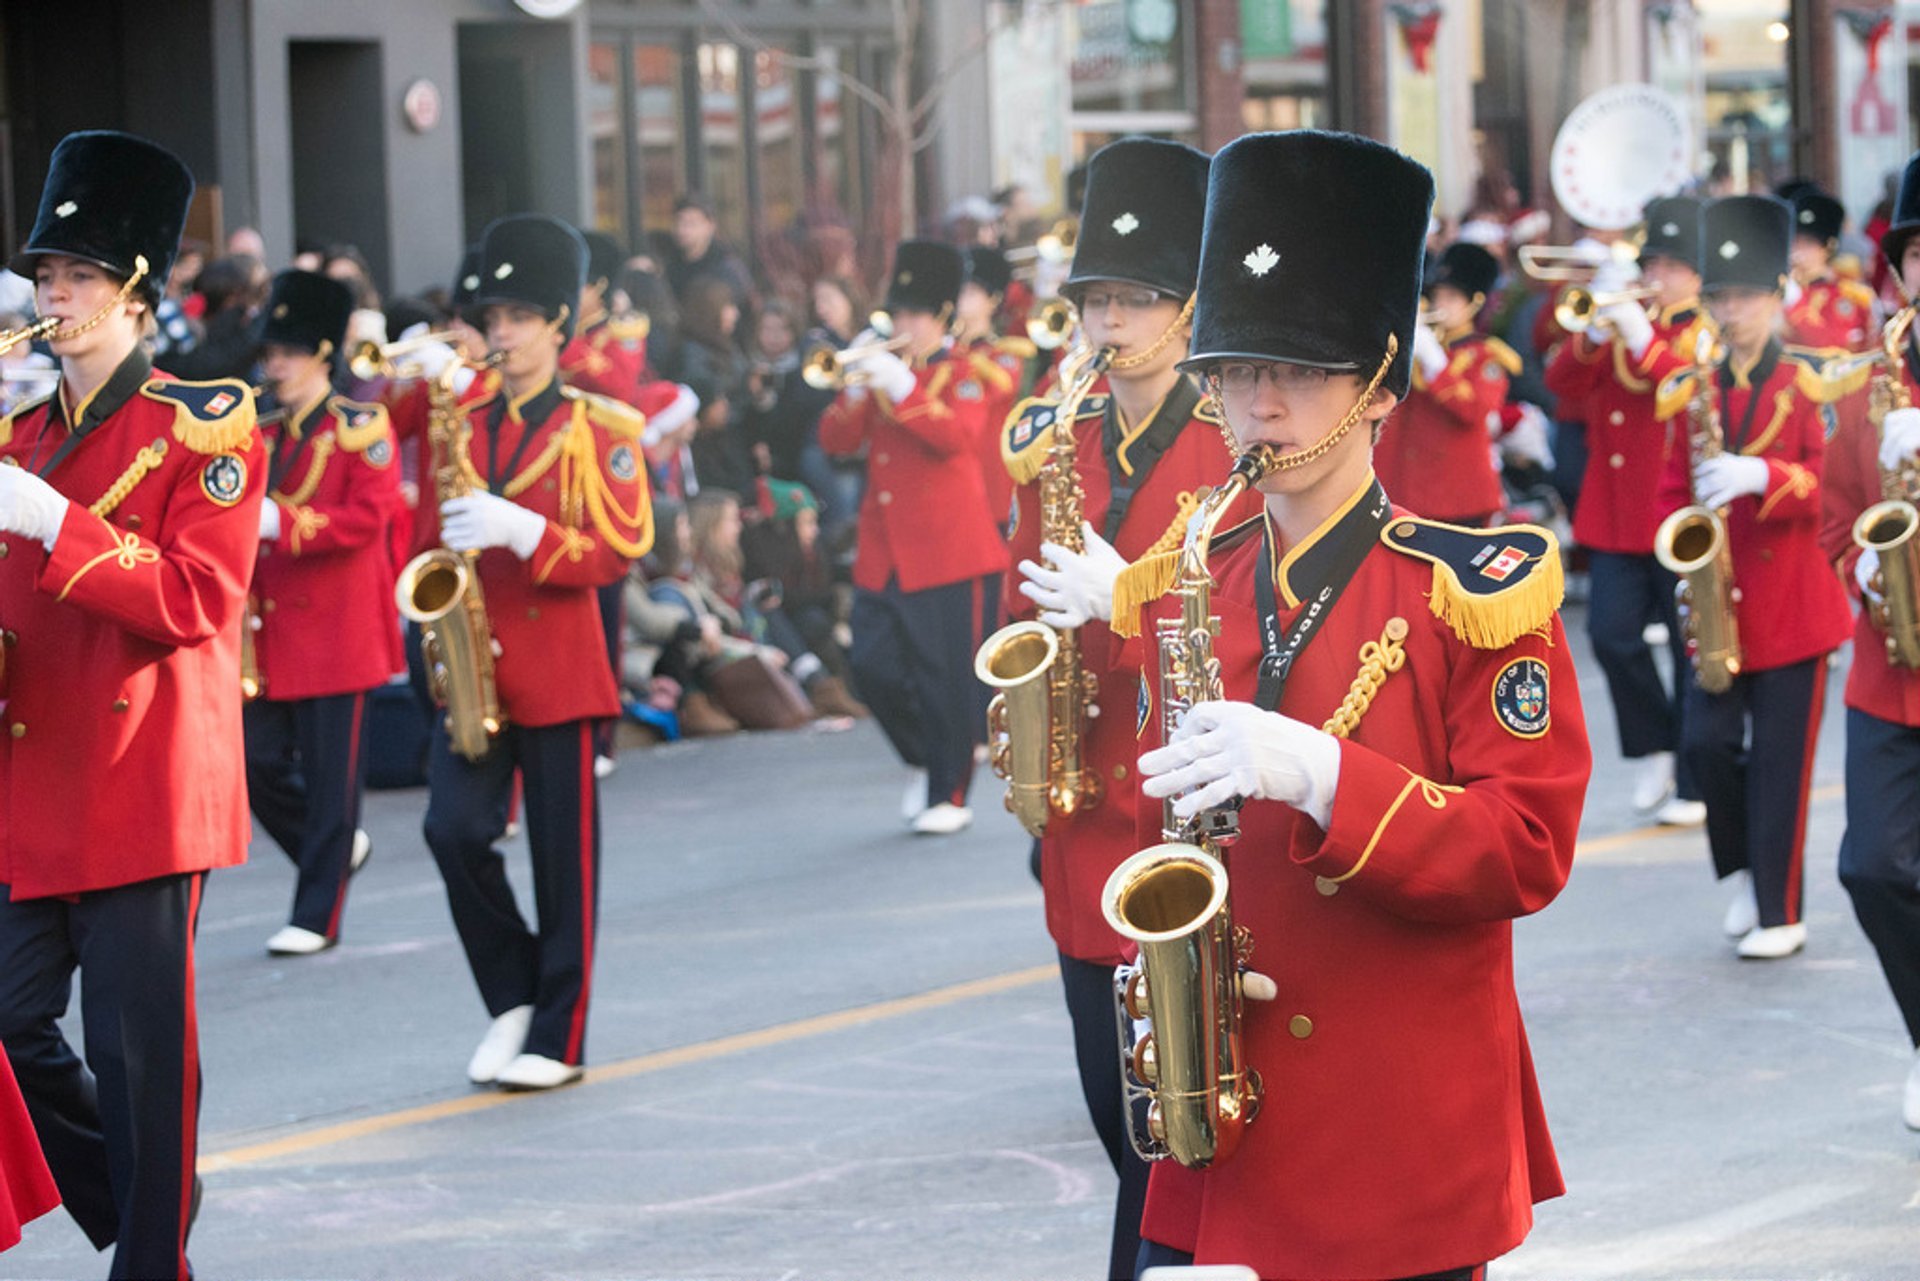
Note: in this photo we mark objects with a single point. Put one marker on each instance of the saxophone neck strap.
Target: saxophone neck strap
(1337, 554)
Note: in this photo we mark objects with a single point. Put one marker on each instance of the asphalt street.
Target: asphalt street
(824, 1049)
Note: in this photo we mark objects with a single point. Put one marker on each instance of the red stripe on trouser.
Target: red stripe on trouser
(189, 1071)
(349, 804)
(1796, 865)
(576, 1035)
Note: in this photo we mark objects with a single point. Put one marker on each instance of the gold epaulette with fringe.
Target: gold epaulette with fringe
(616, 416)
(1856, 292)
(1675, 390)
(1026, 437)
(1810, 366)
(586, 494)
(1491, 586)
(988, 371)
(357, 425)
(6, 422)
(1019, 348)
(210, 417)
(1504, 356)
(1151, 575)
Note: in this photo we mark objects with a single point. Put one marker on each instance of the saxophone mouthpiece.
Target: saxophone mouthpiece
(1255, 464)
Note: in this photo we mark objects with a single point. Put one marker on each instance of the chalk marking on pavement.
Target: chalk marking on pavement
(622, 1069)
(1599, 846)
(1646, 1252)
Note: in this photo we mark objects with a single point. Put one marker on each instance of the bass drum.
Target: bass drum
(1620, 148)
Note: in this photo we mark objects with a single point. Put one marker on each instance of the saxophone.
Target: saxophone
(1172, 901)
(1692, 543)
(1035, 730)
(1888, 526)
(440, 590)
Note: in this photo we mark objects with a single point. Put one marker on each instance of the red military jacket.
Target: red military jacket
(1627, 444)
(1850, 485)
(1789, 606)
(1435, 456)
(1832, 312)
(574, 458)
(924, 519)
(1166, 463)
(607, 360)
(122, 757)
(1402, 1130)
(323, 589)
(407, 405)
(1000, 365)
(26, 1185)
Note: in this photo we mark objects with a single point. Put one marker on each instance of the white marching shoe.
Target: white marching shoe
(943, 819)
(913, 802)
(362, 850)
(1653, 782)
(292, 940)
(1773, 942)
(500, 1046)
(538, 1072)
(1680, 813)
(1743, 912)
(1910, 1106)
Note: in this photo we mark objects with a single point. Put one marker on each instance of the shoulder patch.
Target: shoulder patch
(208, 418)
(615, 416)
(1520, 698)
(969, 388)
(1491, 586)
(621, 462)
(224, 479)
(358, 427)
(1026, 437)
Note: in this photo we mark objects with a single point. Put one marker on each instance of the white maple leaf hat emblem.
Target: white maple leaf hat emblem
(1126, 224)
(1262, 260)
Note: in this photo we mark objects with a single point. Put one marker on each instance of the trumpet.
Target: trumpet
(1579, 306)
(1569, 263)
(825, 369)
(370, 360)
(41, 328)
(1051, 324)
(1055, 247)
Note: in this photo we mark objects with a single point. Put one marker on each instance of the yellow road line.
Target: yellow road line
(659, 1061)
(1634, 836)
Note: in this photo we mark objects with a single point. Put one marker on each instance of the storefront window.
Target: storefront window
(722, 138)
(776, 126)
(1129, 68)
(1749, 118)
(1284, 67)
(609, 144)
(659, 133)
(836, 141)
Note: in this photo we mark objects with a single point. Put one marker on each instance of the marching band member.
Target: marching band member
(1000, 363)
(1829, 311)
(558, 507)
(1378, 871)
(1751, 747)
(930, 555)
(1612, 371)
(1144, 446)
(1434, 457)
(327, 629)
(129, 522)
(1880, 854)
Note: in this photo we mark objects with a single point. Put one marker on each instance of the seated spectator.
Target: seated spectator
(713, 366)
(784, 551)
(782, 413)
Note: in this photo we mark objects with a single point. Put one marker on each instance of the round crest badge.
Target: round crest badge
(224, 479)
(380, 452)
(1520, 698)
(621, 464)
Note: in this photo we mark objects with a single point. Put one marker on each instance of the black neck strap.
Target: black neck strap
(534, 412)
(1335, 559)
(120, 387)
(1756, 379)
(1173, 413)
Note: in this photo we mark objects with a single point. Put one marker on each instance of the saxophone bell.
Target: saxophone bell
(1015, 662)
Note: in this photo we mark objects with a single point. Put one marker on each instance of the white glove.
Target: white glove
(1792, 294)
(1629, 321)
(1428, 353)
(1226, 750)
(885, 372)
(1073, 587)
(431, 359)
(269, 521)
(1719, 480)
(1530, 437)
(30, 507)
(1613, 275)
(1863, 571)
(1899, 437)
(482, 520)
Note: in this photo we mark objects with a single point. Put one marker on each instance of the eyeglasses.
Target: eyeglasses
(1240, 378)
(1125, 300)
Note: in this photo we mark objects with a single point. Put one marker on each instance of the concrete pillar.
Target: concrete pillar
(1216, 56)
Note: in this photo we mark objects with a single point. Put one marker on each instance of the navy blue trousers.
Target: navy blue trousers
(306, 773)
(1751, 751)
(912, 658)
(1880, 854)
(1096, 1048)
(1155, 1255)
(120, 1131)
(1626, 594)
(550, 968)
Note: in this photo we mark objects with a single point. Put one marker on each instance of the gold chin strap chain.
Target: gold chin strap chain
(1300, 458)
(1180, 326)
(93, 321)
(1378, 660)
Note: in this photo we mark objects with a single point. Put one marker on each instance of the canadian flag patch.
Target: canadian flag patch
(221, 403)
(1501, 567)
